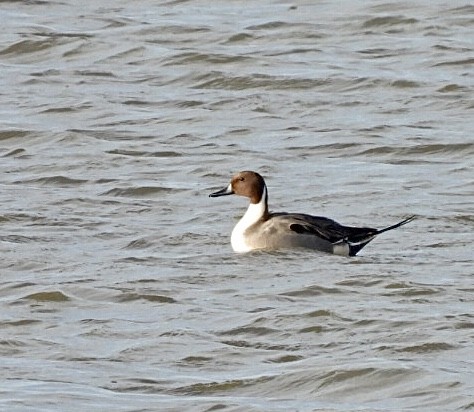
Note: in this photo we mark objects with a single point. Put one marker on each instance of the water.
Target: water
(119, 288)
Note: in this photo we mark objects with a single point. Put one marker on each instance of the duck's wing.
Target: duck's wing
(324, 227)
(355, 237)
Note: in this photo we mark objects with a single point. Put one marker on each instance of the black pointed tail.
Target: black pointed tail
(356, 243)
(403, 222)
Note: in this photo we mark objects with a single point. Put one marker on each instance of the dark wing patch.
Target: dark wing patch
(310, 229)
(295, 227)
(322, 227)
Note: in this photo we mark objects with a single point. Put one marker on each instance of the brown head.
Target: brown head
(246, 183)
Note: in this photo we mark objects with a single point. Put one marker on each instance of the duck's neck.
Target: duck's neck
(254, 213)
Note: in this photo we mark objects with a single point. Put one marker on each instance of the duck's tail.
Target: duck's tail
(403, 222)
(358, 240)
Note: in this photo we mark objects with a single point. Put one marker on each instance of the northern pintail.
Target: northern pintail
(260, 229)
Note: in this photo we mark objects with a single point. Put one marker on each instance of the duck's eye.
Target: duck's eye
(242, 179)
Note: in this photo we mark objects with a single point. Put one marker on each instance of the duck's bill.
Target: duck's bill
(223, 192)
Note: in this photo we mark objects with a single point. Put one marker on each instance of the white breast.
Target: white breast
(238, 242)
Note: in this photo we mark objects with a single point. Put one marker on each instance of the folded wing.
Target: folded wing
(355, 237)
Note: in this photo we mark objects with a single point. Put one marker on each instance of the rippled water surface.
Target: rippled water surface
(119, 289)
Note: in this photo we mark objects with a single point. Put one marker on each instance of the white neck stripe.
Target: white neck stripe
(254, 213)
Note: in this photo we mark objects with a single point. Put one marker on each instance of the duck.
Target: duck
(259, 229)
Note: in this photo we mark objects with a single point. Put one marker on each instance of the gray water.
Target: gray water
(119, 289)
